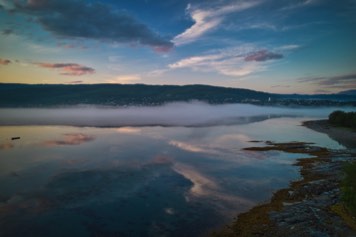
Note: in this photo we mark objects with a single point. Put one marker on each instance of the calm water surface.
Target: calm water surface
(140, 181)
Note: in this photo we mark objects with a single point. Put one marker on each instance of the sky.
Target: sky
(279, 46)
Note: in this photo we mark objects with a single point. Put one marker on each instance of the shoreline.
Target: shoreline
(310, 206)
(344, 136)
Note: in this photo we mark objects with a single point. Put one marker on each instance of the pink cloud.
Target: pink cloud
(4, 61)
(75, 82)
(68, 69)
(162, 49)
(262, 55)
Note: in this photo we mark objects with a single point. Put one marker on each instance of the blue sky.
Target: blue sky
(289, 46)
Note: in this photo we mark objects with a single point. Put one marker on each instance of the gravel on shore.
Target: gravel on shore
(310, 206)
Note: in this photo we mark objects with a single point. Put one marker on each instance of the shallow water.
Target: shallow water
(140, 181)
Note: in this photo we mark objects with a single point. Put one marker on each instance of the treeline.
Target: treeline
(45, 95)
(23, 95)
(341, 118)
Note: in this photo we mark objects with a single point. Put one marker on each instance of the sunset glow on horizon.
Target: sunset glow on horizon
(293, 46)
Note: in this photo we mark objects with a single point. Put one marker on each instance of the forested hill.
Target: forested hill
(43, 95)
(115, 94)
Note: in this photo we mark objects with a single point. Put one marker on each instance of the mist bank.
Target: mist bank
(171, 114)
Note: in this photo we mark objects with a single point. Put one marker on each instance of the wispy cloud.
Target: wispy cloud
(320, 91)
(125, 79)
(206, 20)
(7, 4)
(346, 81)
(4, 61)
(7, 32)
(70, 139)
(157, 72)
(72, 46)
(262, 55)
(289, 47)
(75, 82)
(280, 86)
(262, 26)
(91, 20)
(68, 69)
(300, 4)
(229, 62)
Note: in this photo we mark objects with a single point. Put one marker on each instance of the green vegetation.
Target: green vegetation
(22, 95)
(341, 210)
(349, 188)
(341, 118)
(46, 95)
(346, 209)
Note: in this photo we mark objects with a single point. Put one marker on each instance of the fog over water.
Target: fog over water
(172, 114)
(111, 174)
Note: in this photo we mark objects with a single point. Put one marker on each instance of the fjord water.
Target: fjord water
(182, 179)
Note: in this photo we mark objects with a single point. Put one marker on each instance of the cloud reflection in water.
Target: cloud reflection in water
(206, 187)
(128, 130)
(6, 146)
(71, 139)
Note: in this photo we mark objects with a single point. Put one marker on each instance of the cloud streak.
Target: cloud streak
(99, 21)
(7, 32)
(68, 69)
(262, 55)
(345, 81)
(300, 4)
(75, 82)
(233, 61)
(228, 62)
(206, 20)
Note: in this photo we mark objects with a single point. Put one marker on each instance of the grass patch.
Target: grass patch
(348, 187)
(347, 208)
(342, 211)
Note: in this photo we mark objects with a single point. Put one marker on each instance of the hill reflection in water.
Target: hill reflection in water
(141, 181)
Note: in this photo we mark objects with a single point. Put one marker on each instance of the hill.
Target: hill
(44, 95)
(348, 92)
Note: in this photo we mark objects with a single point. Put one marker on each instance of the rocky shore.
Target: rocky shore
(308, 207)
